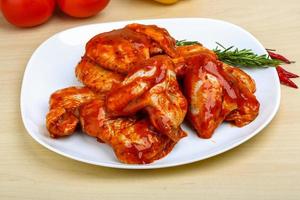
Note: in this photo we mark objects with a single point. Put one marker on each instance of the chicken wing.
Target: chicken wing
(95, 77)
(183, 53)
(186, 52)
(152, 86)
(209, 94)
(159, 35)
(247, 111)
(240, 76)
(217, 92)
(135, 141)
(248, 105)
(119, 49)
(62, 118)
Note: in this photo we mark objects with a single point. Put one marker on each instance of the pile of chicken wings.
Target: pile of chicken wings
(139, 87)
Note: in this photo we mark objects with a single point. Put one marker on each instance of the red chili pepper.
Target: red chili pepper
(284, 79)
(286, 73)
(279, 57)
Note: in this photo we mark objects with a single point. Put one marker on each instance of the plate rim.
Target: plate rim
(147, 166)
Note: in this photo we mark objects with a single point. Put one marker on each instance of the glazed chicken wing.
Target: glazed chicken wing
(134, 141)
(151, 86)
(62, 118)
(248, 105)
(95, 77)
(247, 111)
(119, 49)
(183, 53)
(159, 35)
(218, 92)
(209, 94)
(241, 77)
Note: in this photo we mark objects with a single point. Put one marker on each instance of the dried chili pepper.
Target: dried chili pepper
(284, 79)
(279, 57)
(286, 73)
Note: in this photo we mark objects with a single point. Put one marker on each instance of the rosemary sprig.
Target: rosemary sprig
(238, 57)
(244, 57)
(185, 42)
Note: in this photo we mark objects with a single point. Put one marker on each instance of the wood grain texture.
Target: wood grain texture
(266, 167)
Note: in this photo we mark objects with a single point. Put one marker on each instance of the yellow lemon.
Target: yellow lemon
(166, 1)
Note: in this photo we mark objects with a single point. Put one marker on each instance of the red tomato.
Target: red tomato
(82, 8)
(27, 13)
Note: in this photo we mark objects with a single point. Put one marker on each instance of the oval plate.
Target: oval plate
(52, 65)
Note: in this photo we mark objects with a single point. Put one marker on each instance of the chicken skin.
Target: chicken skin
(248, 105)
(158, 34)
(62, 119)
(120, 49)
(183, 53)
(242, 77)
(215, 95)
(135, 141)
(209, 94)
(95, 77)
(151, 86)
(186, 52)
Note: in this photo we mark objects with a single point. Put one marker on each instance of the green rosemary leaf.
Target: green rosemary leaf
(185, 42)
(244, 57)
(238, 57)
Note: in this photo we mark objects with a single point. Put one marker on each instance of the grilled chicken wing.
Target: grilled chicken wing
(119, 49)
(209, 94)
(134, 141)
(217, 92)
(159, 35)
(152, 86)
(183, 53)
(62, 118)
(241, 76)
(248, 105)
(247, 111)
(95, 77)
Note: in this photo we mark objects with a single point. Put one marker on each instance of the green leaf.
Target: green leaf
(244, 57)
(185, 42)
(238, 57)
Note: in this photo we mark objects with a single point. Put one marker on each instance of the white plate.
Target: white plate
(51, 67)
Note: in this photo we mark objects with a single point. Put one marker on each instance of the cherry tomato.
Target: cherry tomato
(27, 13)
(82, 8)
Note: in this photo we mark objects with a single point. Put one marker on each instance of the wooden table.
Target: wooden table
(266, 167)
